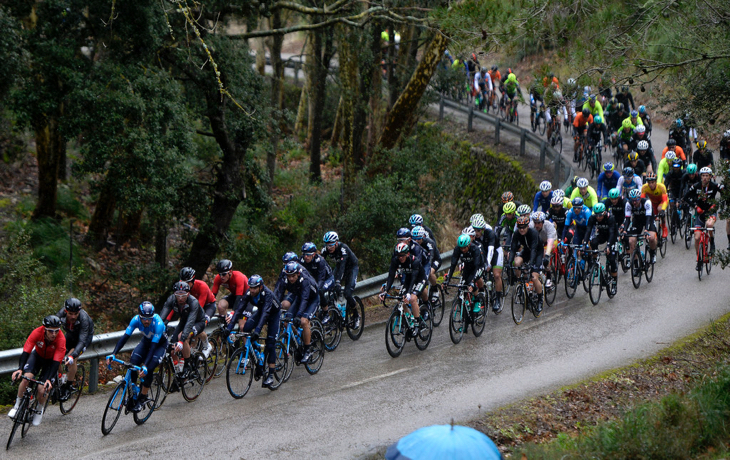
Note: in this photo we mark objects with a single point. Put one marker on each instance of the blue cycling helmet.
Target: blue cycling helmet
(255, 281)
(146, 309)
(403, 233)
(416, 219)
(634, 114)
(290, 256)
(597, 120)
(418, 232)
(577, 202)
(608, 166)
(330, 237)
(642, 109)
(679, 123)
(308, 248)
(291, 268)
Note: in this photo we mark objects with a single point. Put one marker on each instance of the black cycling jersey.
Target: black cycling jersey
(639, 167)
(673, 182)
(189, 313)
(633, 215)
(627, 99)
(79, 334)
(530, 241)
(648, 158)
(489, 242)
(703, 196)
(318, 268)
(680, 135)
(688, 180)
(703, 158)
(605, 229)
(472, 260)
(616, 210)
(411, 268)
(431, 252)
(266, 305)
(725, 148)
(280, 285)
(345, 260)
(595, 131)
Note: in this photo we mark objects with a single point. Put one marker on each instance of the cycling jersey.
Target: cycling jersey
(432, 256)
(151, 349)
(280, 285)
(318, 268)
(627, 186)
(202, 292)
(639, 216)
(414, 276)
(638, 166)
(589, 198)
(648, 159)
(606, 182)
(605, 229)
(703, 158)
(596, 132)
(472, 260)
(679, 151)
(595, 110)
(192, 316)
(580, 122)
(615, 209)
(418, 252)
(345, 260)
(265, 305)
(504, 227)
(673, 182)
(38, 354)
(489, 241)
(627, 99)
(658, 196)
(638, 122)
(542, 202)
(237, 283)
(548, 232)
(662, 170)
(703, 197)
(580, 220)
(303, 296)
(557, 217)
(155, 332)
(511, 86)
(79, 333)
(681, 136)
(530, 244)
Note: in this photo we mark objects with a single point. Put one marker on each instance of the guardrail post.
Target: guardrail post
(94, 375)
(557, 180)
(523, 138)
(543, 152)
(471, 120)
(296, 72)
(497, 128)
(441, 108)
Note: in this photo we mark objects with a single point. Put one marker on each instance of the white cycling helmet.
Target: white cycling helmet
(706, 170)
(557, 199)
(641, 129)
(523, 209)
(670, 156)
(475, 218)
(546, 186)
(582, 182)
(643, 145)
(469, 231)
(559, 192)
(537, 216)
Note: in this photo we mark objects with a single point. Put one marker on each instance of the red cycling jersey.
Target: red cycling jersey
(55, 350)
(202, 292)
(237, 284)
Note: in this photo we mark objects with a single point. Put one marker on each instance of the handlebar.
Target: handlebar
(31, 380)
(123, 363)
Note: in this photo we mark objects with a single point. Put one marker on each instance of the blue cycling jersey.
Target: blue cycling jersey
(154, 332)
(605, 183)
(542, 203)
(581, 219)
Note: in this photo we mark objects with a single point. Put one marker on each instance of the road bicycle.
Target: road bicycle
(537, 118)
(402, 327)
(248, 362)
(704, 255)
(662, 240)
(463, 314)
(173, 378)
(687, 218)
(594, 158)
(573, 269)
(292, 345)
(337, 316)
(524, 295)
(124, 397)
(598, 277)
(27, 408)
(556, 138)
(556, 270)
(675, 220)
(490, 293)
(218, 339)
(641, 262)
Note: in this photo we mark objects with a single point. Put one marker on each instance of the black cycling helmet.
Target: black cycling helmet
(291, 268)
(289, 256)
(586, 112)
(620, 107)
(671, 143)
(223, 266)
(187, 274)
(255, 281)
(52, 322)
(403, 233)
(73, 305)
(146, 309)
(181, 286)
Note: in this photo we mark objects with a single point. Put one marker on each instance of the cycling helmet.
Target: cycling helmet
(223, 266)
(634, 194)
(187, 274)
(418, 232)
(507, 197)
(642, 109)
(624, 89)
(577, 202)
(633, 156)
(593, 98)
(650, 177)
(469, 231)
(73, 305)
(509, 208)
(475, 218)
(670, 156)
(691, 168)
(255, 281)
(608, 166)
(614, 193)
(586, 112)
(620, 107)
(597, 120)
(291, 268)
(559, 192)
(626, 123)
(146, 309)
(676, 163)
(582, 182)
(701, 145)
(557, 200)
(628, 171)
(524, 209)
(307, 248)
(571, 81)
(483, 70)
(416, 219)
(402, 248)
(679, 122)
(634, 114)
(587, 89)
(403, 233)
(537, 217)
(289, 256)
(575, 179)
(494, 68)
(642, 145)
(706, 170)
(671, 143)
(641, 129)
(599, 208)
(330, 237)
(726, 134)
(523, 221)
(479, 224)
(463, 241)
(546, 186)
(181, 286)
(613, 100)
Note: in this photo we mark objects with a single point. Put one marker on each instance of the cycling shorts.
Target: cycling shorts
(298, 310)
(526, 254)
(197, 329)
(701, 219)
(497, 258)
(210, 309)
(38, 366)
(153, 353)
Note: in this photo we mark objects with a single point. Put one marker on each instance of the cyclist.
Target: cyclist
(615, 120)
(725, 145)
(605, 225)
(625, 135)
(638, 218)
(679, 134)
(646, 155)
(431, 253)
(413, 279)
(664, 165)
(510, 197)
(647, 120)
(628, 181)
(610, 108)
(594, 106)
(259, 307)
(689, 178)
(526, 248)
(702, 196)
(596, 132)
(511, 89)
(586, 192)
(639, 135)
(634, 119)
(556, 214)
(607, 180)
(703, 156)
(543, 197)
(657, 194)
(417, 220)
(615, 205)
(580, 123)
(233, 280)
(634, 162)
(318, 268)
(505, 224)
(42, 353)
(569, 189)
(535, 91)
(403, 235)
(673, 183)
(673, 147)
(548, 237)
(467, 254)
(576, 221)
(346, 269)
(301, 302)
(522, 210)
(78, 329)
(555, 104)
(191, 324)
(496, 77)
(625, 97)
(483, 87)
(149, 352)
(201, 292)
(493, 258)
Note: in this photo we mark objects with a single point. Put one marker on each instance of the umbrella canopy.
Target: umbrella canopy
(444, 442)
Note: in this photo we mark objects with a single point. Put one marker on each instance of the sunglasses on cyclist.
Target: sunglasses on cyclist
(224, 273)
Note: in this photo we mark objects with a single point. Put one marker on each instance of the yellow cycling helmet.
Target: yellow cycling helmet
(633, 156)
(509, 208)
(701, 145)
(627, 123)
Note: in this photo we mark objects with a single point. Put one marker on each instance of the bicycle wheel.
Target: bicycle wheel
(331, 329)
(223, 352)
(594, 288)
(165, 375)
(550, 292)
(281, 366)
(479, 319)
(584, 275)
(534, 120)
(688, 235)
(519, 300)
(355, 328)
(212, 360)
(437, 304)
(456, 321)
(153, 394)
(423, 338)
(395, 333)
(239, 373)
(18, 420)
(542, 124)
(197, 377)
(648, 267)
(77, 386)
(317, 347)
(708, 264)
(115, 405)
(636, 267)
(663, 242)
(571, 279)
(506, 282)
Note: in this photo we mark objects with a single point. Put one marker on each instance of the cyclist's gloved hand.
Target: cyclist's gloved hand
(296, 321)
(545, 263)
(661, 213)
(207, 319)
(382, 296)
(179, 346)
(232, 338)
(699, 210)
(408, 297)
(254, 337)
(69, 360)
(109, 359)
(143, 372)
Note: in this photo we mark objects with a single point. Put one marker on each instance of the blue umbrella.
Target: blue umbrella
(444, 442)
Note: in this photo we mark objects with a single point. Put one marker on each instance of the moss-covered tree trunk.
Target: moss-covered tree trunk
(406, 105)
(50, 146)
(349, 84)
(277, 80)
(102, 218)
(322, 53)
